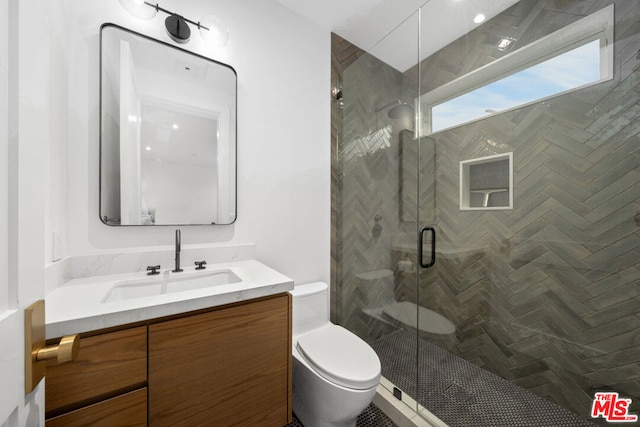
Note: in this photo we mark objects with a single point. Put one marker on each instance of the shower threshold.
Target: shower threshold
(421, 417)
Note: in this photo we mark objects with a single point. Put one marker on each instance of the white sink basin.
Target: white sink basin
(167, 283)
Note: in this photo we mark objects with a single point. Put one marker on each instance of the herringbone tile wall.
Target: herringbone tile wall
(546, 295)
(365, 184)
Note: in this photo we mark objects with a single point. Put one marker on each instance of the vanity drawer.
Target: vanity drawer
(107, 365)
(127, 410)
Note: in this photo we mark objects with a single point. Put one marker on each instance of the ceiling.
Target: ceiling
(388, 29)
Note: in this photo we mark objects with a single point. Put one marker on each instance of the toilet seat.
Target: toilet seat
(348, 361)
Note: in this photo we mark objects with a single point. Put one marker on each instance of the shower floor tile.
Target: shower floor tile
(462, 394)
(371, 417)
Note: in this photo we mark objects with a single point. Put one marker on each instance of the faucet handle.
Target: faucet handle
(153, 269)
(200, 265)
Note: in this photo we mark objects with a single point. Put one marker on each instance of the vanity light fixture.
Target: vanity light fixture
(211, 29)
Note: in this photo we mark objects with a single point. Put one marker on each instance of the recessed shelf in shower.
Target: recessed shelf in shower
(486, 183)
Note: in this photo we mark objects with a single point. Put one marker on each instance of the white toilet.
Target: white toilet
(335, 373)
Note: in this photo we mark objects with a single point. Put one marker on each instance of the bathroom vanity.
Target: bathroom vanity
(225, 364)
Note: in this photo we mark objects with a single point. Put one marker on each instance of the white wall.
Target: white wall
(35, 124)
(283, 67)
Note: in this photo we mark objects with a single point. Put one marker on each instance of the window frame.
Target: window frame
(596, 26)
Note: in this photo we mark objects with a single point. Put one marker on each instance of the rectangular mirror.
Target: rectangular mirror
(167, 134)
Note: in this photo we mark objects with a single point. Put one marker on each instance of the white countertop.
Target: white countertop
(77, 305)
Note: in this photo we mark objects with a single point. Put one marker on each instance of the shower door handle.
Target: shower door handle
(433, 247)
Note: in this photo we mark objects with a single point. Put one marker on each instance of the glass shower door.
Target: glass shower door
(375, 195)
(543, 289)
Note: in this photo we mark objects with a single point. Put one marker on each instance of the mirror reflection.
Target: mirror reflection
(168, 134)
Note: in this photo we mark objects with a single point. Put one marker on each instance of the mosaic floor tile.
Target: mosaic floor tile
(462, 394)
(371, 417)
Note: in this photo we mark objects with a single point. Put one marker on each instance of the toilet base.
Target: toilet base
(319, 403)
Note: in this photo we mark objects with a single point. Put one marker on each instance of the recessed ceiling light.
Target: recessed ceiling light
(148, 148)
(479, 18)
(175, 126)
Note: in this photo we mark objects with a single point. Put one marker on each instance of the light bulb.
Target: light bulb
(217, 33)
(139, 8)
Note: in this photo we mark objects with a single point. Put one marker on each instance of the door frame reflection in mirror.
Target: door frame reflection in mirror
(190, 199)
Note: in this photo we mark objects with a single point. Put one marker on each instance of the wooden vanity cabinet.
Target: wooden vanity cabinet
(228, 367)
(225, 366)
(109, 366)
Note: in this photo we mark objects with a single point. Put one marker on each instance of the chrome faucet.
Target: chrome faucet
(177, 269)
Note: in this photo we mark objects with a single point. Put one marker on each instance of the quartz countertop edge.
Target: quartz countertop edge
(77, 306)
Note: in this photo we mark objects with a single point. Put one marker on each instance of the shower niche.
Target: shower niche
(486, 183)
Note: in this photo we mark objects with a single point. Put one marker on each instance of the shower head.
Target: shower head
(401, 110)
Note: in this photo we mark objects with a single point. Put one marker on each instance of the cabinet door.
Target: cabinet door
(228, 367)
(128, 410)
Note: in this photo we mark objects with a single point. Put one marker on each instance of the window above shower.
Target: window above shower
(574, 57)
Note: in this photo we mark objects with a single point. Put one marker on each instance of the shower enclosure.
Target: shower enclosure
(531, 209)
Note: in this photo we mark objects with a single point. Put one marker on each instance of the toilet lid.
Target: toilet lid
(340, 357)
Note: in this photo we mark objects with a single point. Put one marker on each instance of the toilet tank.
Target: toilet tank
(310, 306)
